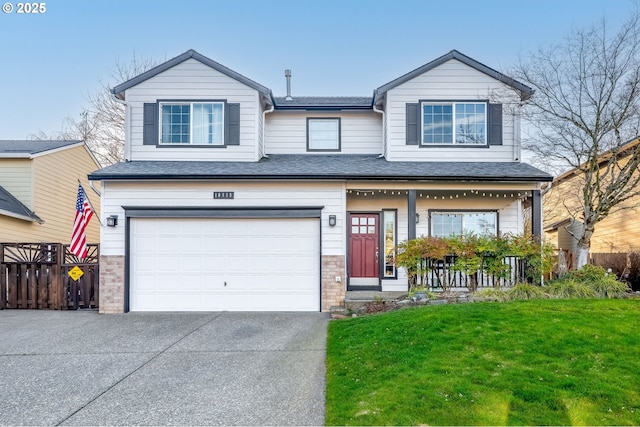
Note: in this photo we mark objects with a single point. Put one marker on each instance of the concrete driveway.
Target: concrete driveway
(82, 368)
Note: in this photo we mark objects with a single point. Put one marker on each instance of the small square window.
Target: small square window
(323, 134)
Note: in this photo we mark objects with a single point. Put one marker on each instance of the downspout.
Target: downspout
(95, 190)
(384, 139)
(264, 125)
(517, 140)
(127, 145)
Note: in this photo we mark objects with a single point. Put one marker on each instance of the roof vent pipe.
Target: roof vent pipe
(287, 75)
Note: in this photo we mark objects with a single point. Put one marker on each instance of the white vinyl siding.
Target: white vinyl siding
(451, 81)
(192, 81)
(250, 194)
(360, 132)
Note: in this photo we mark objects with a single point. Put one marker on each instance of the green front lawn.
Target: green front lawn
(541, 362)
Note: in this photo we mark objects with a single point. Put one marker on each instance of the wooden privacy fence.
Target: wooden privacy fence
(36, 276)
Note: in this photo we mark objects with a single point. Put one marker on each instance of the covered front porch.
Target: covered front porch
(381, 215)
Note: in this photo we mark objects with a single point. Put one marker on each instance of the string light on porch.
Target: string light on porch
(448, 194)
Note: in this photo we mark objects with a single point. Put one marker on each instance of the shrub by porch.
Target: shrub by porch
(473, 261)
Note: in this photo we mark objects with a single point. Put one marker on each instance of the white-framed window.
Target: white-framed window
(390, 237)
(457, 223)
(323, 134)
(196, 123)
(454, 123)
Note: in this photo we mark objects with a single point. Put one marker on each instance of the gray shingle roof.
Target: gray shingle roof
(351, 167)
(30, 147)
(525, 91)
(13, 207)
(324, 103)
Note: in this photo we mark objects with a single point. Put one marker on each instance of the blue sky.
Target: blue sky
(51, 62)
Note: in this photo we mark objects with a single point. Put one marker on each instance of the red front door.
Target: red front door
(364, 241)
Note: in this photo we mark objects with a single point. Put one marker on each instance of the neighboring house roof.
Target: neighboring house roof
(10, 206)
(324, 103)
(353, 167)
(558, 224)
(119, 89)
(624, 151)
(525, 91)
(29, 148)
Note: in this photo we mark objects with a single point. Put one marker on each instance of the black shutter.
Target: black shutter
(413, 124)
(150, 124)
(232, 124)
(495, 124)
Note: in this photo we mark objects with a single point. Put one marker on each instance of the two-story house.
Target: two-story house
(233, 199)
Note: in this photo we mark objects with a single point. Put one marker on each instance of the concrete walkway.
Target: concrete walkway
(82, 368)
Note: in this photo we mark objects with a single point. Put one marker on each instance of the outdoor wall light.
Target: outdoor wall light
(417, 218)
(112, 220)
(332, 221)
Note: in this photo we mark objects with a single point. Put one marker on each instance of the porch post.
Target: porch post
(411, 217)
(536, 214)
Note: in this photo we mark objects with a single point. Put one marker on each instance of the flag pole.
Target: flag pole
(90, 204)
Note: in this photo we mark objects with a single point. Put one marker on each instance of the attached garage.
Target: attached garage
(224, 264)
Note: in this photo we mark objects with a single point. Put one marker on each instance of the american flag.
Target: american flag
(84, 213)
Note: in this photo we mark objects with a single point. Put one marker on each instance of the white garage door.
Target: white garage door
(200, 264)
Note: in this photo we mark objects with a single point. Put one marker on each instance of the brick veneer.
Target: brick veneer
(111, 284)
(333, 293)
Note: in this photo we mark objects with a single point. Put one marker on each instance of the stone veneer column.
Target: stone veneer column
(333, 293)
(111, 284)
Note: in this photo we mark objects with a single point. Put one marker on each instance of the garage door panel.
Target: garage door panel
(190, 264)
(190, 244)
(183, 264)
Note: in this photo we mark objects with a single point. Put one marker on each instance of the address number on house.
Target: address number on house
(223, 194)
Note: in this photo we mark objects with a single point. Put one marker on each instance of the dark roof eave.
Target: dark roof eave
(325, 108)
(155, 177)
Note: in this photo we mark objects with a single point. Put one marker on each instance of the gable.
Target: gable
(454, 55)
(191, 56)
(452, 80)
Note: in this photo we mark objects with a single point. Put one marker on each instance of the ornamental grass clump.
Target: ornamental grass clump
(525, 291)
(494, 294)
(570, 288)
(595, 282)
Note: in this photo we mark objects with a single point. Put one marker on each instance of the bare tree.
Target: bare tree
(585, 110)
(101, 124)
(109, 115)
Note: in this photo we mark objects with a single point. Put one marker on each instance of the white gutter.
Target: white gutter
(127, 144)
(384, 139)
